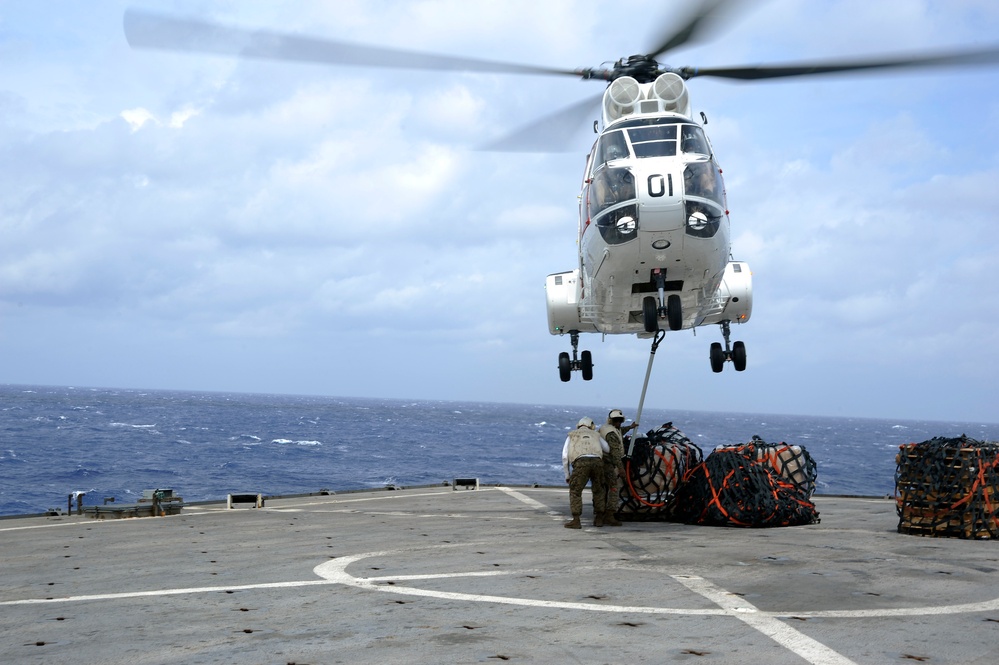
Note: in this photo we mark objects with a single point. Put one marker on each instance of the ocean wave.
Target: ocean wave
(78, 473)
(150, 427)
(297, 443)
(11, 456)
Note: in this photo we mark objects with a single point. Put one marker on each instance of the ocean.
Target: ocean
(55, 441)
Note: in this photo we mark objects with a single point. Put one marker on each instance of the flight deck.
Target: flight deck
(488, 575)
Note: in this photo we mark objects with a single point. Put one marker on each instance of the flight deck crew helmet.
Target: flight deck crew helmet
(585, 422)
(615, 414)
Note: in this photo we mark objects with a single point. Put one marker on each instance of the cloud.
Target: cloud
(137, 117)
(260, 224)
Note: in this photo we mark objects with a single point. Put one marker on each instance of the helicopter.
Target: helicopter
(654, 238)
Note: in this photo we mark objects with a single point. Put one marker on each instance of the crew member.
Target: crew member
(584, 450)
(613, 434)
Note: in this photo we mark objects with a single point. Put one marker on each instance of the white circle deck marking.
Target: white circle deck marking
(335, 571)
(770, 624)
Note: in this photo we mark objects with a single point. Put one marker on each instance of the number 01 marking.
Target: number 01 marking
(657, 185)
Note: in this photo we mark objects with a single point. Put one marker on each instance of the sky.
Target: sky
(197, 222)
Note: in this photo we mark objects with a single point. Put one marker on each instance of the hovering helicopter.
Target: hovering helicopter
(654, 237)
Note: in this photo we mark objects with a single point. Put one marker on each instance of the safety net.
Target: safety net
(654, 469)
(756, 484)
(948, 488)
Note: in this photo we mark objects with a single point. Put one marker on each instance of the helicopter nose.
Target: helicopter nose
(660, 204)
(660, 218)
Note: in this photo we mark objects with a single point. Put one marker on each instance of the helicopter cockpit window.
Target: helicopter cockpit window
(619, 224)
(692, 140)
(704, 198)
(610, 187)
(610, 146)
(653, 141)
(703, 180)
(703, 220)
(611, 204)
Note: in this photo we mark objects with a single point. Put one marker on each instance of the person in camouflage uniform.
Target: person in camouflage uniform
(611, 432)
(583, 451)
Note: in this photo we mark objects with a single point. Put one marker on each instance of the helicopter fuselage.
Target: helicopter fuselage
(654, 238)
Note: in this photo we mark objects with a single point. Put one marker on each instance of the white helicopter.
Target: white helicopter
(654, 240)
(653, 237)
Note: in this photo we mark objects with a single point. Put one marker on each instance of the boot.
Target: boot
(598, 519)
(573, 523)
(610, 520)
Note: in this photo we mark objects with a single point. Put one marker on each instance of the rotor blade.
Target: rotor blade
(695, 27)
(552, 133)
(758, 72)
(147, 30)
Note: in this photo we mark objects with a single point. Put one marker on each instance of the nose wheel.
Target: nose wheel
(582, 362)
(665, 306)
(735, 352)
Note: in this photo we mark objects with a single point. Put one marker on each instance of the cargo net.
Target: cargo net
(948, 488)
(656, 468)
(757, 484)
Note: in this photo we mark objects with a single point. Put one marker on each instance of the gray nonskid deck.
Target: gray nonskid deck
(488, 575)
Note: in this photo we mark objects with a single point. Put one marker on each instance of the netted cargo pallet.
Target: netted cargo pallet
(948, 488)
(792, 463)
(654, 470)
(757, 484)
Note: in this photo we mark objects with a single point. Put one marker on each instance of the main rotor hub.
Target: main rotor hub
(642, 68)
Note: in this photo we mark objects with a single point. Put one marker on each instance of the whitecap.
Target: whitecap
(308, 443)
(282, 441)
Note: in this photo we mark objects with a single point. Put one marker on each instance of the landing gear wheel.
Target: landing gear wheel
(717, 357)
(650, 314)
(674, 312)
(739, 356)
(564, 366)
(586, 365)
